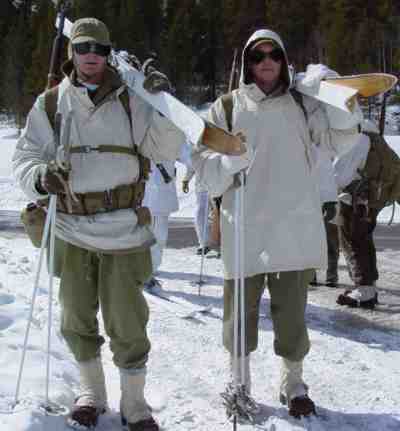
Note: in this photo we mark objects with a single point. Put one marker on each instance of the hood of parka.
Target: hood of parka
(256, 37)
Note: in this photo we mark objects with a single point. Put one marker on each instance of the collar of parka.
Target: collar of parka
(111, 81)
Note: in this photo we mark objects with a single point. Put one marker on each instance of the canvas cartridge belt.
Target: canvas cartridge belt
(121, 197)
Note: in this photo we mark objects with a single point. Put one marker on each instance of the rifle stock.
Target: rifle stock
(54, 75)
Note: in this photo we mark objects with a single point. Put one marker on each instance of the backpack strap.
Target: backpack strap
(298, 98)
(227, 103)
(144, 162)
(50, 104)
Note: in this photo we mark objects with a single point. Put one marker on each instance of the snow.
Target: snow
(352, 369)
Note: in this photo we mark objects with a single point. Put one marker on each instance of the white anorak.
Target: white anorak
(92, 126)
(283, 222)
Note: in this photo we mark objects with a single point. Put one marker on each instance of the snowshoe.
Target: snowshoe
(84, 418)
(239, 404)
(299, 406)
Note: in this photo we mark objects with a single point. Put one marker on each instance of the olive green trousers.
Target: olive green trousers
(93, 281)
(288, 291)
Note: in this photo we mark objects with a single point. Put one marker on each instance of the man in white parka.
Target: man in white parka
(283, 225)
(103, 239)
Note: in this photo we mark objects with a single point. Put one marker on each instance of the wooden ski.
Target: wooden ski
(342, 92)
(367, 84)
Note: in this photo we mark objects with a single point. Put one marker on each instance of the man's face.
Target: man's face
(89, 62)
(264, 66)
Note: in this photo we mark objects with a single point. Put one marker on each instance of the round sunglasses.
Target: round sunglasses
(256, 56)
(91, 47)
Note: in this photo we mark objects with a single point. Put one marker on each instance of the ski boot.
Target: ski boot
(299, 406)
(84, 418)
(352, 299)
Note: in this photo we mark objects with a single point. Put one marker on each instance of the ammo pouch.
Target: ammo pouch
(91, 203)
(33, 218)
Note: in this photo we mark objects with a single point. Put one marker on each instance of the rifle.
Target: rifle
(232, 77)
(382, 118)
(54, 76)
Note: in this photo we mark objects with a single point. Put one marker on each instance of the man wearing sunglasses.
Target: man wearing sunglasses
(102, 233)
(283, 226)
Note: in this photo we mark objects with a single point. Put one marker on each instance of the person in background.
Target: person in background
(162, 200)
(368, 176)
(328, 193)
(202, 210)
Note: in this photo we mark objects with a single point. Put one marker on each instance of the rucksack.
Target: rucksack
(382, 172)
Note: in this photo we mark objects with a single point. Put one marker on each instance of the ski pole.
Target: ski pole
(45, 236)
(236, 299)
(53, 202)
(204, 234)
(241, 274)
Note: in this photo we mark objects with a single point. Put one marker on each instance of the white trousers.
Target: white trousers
(160, 230)
(201, 217)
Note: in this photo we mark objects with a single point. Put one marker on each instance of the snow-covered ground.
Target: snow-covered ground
(353, 368)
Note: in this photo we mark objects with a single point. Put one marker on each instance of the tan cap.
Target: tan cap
(90, 30)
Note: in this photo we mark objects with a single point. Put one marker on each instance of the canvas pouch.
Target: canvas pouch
(33, 218)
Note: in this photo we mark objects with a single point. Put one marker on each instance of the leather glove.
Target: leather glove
(53, 181)
(185, 186)
(155, 81)
(329, 210)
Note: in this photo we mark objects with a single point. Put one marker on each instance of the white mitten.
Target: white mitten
(315, 73)
(234, 164)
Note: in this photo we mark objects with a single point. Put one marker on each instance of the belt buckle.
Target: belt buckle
(108, 201)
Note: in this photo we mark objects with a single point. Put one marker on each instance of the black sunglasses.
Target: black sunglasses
(95, 48)
(255, 56)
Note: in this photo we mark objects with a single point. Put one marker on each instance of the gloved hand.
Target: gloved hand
(155, 81)
(235, 164)
(315, 73)
(52, 180)
(131, 59)
(185, 186)
(329, 210)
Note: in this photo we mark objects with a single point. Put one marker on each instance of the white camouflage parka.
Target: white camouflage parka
(283, 223)
(104, 124)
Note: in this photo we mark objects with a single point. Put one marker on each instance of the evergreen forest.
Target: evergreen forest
(195, 40)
